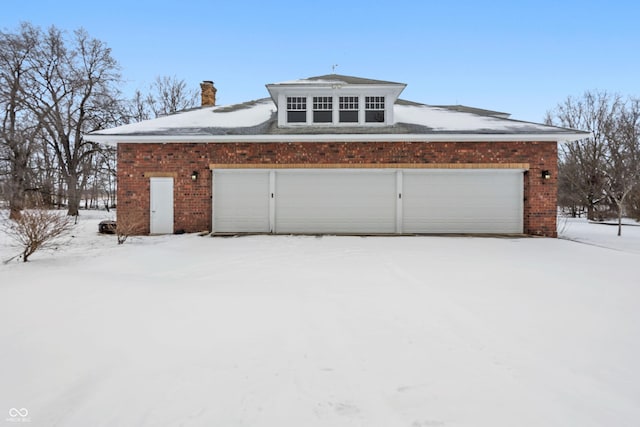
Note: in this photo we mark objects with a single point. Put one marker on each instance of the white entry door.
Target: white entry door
(161, 205)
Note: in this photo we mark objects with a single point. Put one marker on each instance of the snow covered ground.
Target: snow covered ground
(332, 331)
(603, 234)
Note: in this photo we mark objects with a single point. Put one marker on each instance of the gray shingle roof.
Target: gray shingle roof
(474, 110)
(257, 121)
(350, 80)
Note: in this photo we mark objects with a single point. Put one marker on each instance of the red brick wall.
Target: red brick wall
(192, 205)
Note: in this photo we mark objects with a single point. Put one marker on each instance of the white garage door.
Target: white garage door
(241, 201)
(462, 201)
(367, 201)
(335, 201)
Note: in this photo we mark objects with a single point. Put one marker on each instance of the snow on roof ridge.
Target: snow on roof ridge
(246, 114)
(257, 118)
(336, 78)
(441, 118)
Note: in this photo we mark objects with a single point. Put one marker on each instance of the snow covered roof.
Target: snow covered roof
(337, 79)
(256, 121)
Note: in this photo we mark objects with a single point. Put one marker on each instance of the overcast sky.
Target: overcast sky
(522, 57)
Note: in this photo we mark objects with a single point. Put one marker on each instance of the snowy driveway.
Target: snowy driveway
(331, 331)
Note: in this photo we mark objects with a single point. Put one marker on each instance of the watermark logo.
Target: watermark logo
(18, 415)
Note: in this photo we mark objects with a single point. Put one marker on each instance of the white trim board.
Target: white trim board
(149, 139)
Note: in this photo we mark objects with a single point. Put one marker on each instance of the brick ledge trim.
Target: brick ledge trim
(161, 175)
(524, 166)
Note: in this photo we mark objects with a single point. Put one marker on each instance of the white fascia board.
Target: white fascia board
(337, 89)
(323, 85)
(452, 137)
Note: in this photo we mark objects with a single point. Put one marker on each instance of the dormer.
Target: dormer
(335, 100)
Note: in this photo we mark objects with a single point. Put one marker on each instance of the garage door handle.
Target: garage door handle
(272, 195)
(399, 195)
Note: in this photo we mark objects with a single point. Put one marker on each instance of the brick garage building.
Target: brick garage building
(339, 155)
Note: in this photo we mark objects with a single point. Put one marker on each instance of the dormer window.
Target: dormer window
(335, 101)
(322, 109)
(374, 109)
(296, 109)
(349, 109)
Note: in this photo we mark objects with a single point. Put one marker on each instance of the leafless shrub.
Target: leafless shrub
(128, 225)
(37, 229)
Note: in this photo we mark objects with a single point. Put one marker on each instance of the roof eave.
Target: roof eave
(433, 137)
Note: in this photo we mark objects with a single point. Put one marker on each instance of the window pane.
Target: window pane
(322, 116)
(374, 103)
(323, 103)
(349, 103)
(296, 103)
(296, 116)
(348, 116)
(374, 116)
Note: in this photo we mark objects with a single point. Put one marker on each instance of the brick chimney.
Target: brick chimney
(208, 93)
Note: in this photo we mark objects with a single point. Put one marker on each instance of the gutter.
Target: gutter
(452, 137)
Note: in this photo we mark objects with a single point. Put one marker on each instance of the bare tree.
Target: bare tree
(37, 229)
(18, 126)
(633, 204)
(72, 92)
(101, 179)
(169, 95)
(586, 157)
(605, 168)
(139, 108)
(622, 161)
(54, 88)
(108, 175)
(569, 191)
(166, 95)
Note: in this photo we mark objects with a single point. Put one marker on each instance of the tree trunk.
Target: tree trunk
(15, 206)
(18, 184)
(17, 195)
(73, 196)
(60, 193)
(619, 220)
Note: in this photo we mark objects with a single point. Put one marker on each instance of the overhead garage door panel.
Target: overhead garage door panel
(462, 201)
(241, 201)
(335, 201)
(362, 201)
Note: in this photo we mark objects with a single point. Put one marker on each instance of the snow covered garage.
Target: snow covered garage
(338, 155)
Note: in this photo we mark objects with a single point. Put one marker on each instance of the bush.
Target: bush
(37, 229)
(130, 224)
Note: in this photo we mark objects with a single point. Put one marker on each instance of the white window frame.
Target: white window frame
(297, 104)
(322, 104)
(384, 99)
(375, 103)
(350, 103)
